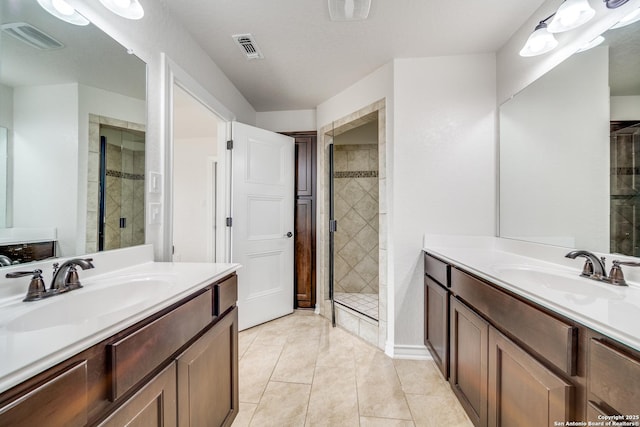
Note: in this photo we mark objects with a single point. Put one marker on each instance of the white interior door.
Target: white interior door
(262, 223)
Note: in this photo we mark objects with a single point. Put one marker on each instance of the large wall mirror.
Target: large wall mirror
(72, 137)
(568, 146)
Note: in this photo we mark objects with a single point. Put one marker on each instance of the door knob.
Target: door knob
(289, 234)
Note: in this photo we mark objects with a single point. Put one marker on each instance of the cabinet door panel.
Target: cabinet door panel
(469, 346)
(208, 377)
(436, 326)
(304, 253)
(153, 405)
(523, 392)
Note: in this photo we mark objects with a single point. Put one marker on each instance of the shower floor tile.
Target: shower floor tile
(366, 304)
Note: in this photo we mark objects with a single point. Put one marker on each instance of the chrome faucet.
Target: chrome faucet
(594, 267)
(65, 276)
(5, 261)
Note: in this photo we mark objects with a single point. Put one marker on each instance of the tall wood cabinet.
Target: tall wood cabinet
(305, 219)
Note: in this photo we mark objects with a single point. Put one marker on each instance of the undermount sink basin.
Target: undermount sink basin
(90, 303)
(557, 280)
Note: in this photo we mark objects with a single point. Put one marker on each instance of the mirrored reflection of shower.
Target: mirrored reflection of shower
(121, 188)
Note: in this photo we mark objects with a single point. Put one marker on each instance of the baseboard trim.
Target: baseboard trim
(413, 352)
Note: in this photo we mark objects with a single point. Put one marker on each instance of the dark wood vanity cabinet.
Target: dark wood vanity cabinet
(469, 367)
(177, 367)
(436, 315)
(514, 363)
(522, 391)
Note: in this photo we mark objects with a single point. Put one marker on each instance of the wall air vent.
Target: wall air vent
(32, 36)
(248, 46)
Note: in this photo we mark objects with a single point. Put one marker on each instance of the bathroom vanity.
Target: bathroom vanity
(526, 342)
(168, 356)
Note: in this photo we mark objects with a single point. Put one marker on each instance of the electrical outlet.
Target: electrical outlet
(155, 182)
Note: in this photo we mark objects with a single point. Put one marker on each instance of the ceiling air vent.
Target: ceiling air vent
(248, 46)
(32, 36)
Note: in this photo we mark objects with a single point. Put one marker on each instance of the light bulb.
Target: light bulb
(539, 42)
(124, 4)
(571, 14)
(63, 7)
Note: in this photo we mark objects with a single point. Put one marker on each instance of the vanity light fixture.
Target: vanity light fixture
(630, 18)
(593, 43)
(130, 9)
(540, 41)
(571, 14)
(612, 4)
(64, 11)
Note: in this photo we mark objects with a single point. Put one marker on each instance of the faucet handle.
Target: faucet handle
(37, 289)
(616, 276)
(587, 268)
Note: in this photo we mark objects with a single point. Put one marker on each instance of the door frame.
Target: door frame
(175, 75)
(385, 294)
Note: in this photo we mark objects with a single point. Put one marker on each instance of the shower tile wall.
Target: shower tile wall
(356, 210)
(125, 178)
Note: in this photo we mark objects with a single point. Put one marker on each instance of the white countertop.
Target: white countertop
(35, 336)
(542, 274)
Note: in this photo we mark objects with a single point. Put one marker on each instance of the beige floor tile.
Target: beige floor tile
(282, 404)
(245, 339)
(421, 377)
(243, 419)
(255, 369)
(334, 399)
(297, 362)
(437, 411)
(379, 391)
(384, 422)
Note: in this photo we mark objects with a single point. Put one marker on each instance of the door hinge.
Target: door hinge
(333, 226)
(230, 144)
(229, 221)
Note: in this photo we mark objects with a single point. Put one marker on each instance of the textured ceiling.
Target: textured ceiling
(309, 58)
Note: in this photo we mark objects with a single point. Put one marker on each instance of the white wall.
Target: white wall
(287, 121)
(190, 158)
(625, 108)
(156, 33)
(6, 121)
(46, 149)
(515, 72)
(444, 158)
(554, 156)
(6, 106)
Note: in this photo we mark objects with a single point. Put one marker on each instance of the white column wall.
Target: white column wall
(443, 162)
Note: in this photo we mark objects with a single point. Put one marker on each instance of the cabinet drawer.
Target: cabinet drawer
(547, 336)
(138, 354)
(225, 294)
(614, 378)
(437, 269)
(61, 401)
